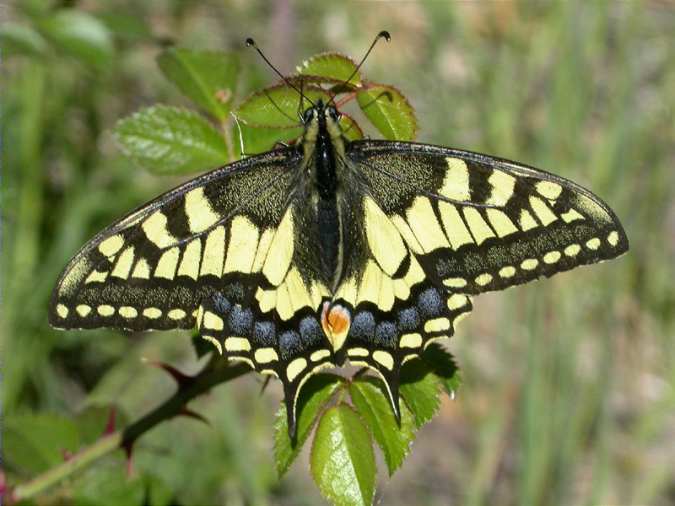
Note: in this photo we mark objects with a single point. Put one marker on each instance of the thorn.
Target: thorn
(128, 448)
(67, 455)
(266, 382)
(193, 414)
(110, 424)
(180, 378)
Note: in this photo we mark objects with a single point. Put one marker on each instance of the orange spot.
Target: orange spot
(335, 321)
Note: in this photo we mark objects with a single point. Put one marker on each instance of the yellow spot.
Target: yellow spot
(384, 359)
(548, 189)
(386, 300)
(572, 250)
(269, 372)
(593, 243)
(571, 215)
(61, 310)
(383, 238)
(155, 230)
(266, 355)
(96, 277)
(280, 251)
(152, 312)
(319, 355)
(358, 352)
(213, 321)
(407, 234)
(410, 341)
(613, 238)
(294, 368)
(401, 289)
(142, 269)
(124, 263)
(455, 282)
(370, 283)
(456, 181)
(335, 321)
(267, 299)
(198, 210)
(502, 187)
(415, 273)
(166, 267)
(215, 342)
(437, 325)
(263, 248)
(425, 226)
(454, 226)
(526, 220)
(529, 264)
(298, 294)
(237, 344)
(479, 228)
(214, 251)
(189, 264)
(111, 245)
(317, 292)
(284, 303)
(243, 242)
(507, 271)
(457, 300)
(501, 222)
(176, 314)
(483, 279)
(543, 212)
(347, 291)
(128, 312)
(105, 310)
(552, 257)
(245, 360)
(83, 310)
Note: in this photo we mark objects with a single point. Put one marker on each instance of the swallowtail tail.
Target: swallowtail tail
(328, 250)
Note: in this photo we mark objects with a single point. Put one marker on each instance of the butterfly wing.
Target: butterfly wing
(439, 225)
(224, 252)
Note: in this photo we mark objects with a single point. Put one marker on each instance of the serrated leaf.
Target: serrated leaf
(313, 397)
(334, 66)
(389, 111)
(277, 106)
(373, 405)
(342, 461)
(254, 140)
(208, 78)
(350, 128)
(444, 367)
(21, 39)
(420, 390)
(80, 35)
(169, 140)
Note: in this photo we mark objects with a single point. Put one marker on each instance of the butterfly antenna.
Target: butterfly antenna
(251, 43)
(384, 34)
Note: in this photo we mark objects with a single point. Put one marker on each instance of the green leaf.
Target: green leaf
(420, 389)
(444, 367)
(277, 106)
(350, 128)
(389, 111)
(313, 397)
(253, 140)
(80, 35)
(335, 67)
(21, 39)
(373, 405)
(342, 461)
(169, 140)
(107, 484)
(209, 78)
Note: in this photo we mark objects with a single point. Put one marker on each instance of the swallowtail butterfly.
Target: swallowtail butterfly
(331, 250)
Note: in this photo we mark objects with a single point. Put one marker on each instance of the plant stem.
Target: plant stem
(215, 372)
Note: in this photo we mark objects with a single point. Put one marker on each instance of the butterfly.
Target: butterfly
(330, 250)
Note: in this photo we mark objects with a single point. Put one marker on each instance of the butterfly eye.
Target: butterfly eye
(308, 115)
(334, 114)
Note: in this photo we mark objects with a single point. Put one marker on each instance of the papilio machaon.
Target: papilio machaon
(331, 250)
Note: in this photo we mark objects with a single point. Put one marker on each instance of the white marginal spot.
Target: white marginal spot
(613, 238)
(198, 210)
(384, 359)
(295, 367)
(502, 188)
(237, 344)
(213, 321)
(572, 250)
(176, 314)
(457, 300)
(105, 310)
(413, 340)
(319, 355)
(152, 312)
(358, 352)
(83, 310)
(242, 243)
(593, 243)
(215, 342)
(61, 310)
(265, 355)
(483, 279)
(480, 230)
(454, 226)
(526, 221)
(571, 215)
(542, 210)
(96, 277)
(507, 271)
(383, 237)
(111, 245)
(552, 257)
(455, 282)
(189, 263)
(529, 264)
(437, 325)
(214, 253)
(456, 181)
(124, 263)
(548, 189)
(155, 230)
(166, 267)
(128, 312)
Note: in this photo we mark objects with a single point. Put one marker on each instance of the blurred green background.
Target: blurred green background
(569, 383)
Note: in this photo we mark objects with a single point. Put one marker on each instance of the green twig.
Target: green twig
(215, 372)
